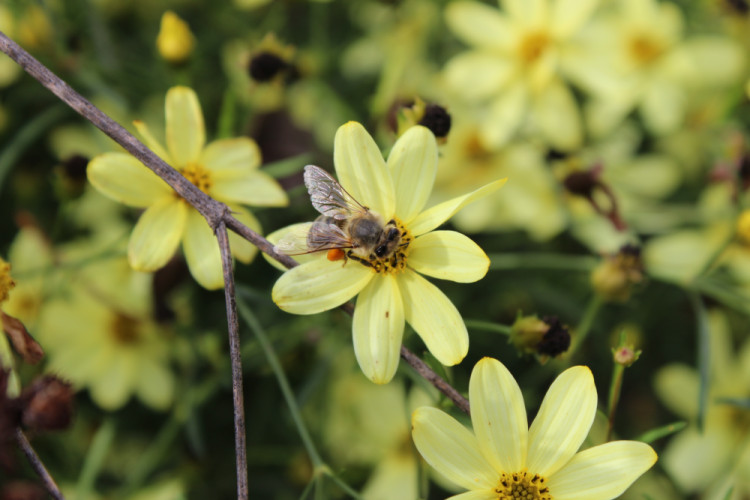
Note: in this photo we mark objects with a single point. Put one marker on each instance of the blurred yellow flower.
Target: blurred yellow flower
(645, 63)
(716, 458)
(100, 336)
(391, 289)
(522, 57)
(505, 458)
(175, 41)
(226, 169)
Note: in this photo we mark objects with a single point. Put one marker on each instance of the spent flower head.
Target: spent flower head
(390, 285)
(225, 169)
(504, 458)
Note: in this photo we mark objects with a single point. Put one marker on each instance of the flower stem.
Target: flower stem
(542, 261)
(584, 327)
(615, 389)
(286, 390)
(488, 326)
(95, 459)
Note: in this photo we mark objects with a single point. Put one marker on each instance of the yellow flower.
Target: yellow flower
(100, 336)
(646, 63)
(175, 41)
(522, 58)
(226, 169)
(392, 291)
(505, 459)
(716, 457)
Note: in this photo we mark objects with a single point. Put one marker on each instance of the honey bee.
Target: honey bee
(346, 228)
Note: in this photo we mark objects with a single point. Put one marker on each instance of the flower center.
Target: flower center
(198, 175)
(522, 486)
(644, 49)
(124, 329)
(6, 282)
(387, 250)
(533, 46)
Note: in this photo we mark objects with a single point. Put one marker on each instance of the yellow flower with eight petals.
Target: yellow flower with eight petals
(506, 459)
(226, 169)
(389, 294)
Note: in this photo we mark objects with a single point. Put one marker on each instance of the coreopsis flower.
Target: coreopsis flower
(175, 41)
(226, 169)
(389, 282)
(713, 459)
(518, 68)
(101, 337)
(647, 63)
(505, 458)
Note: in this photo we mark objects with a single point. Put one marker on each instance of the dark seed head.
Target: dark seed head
(437, 119)
(265, 66)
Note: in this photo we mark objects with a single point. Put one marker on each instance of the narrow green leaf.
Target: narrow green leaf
(660, 432)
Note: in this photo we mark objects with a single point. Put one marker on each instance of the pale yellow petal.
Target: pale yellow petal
(319, 285)
(149, 140)
(254, 188)
(113, 385)
(202, 252)
(498, 415)
(716, 60)
(156, 234)
(489, 494)
(125, 179)
(413, 163)
(451, 449)
(563, 421)
(448, 255)
(378, 327)
(602, 472)
(231, 158)
(527, 13)
(243, 250)
(504, 117)
(694, 459)
(557, 116)
(435, 216)
(362, 171)
(396, 475)
(295, 237)
(476, 76)
(155, 384)
(186, 133)
(568, 16)
(434, 317)
(678, 386)
(663, 107)
(480, 25)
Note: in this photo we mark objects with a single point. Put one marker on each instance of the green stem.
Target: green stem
(584, 327)
(711, 262)
(562, 262)
(341, 484)
(152, 458)
(615, 388)
(488, 326)
(94, 461)
(278, 371)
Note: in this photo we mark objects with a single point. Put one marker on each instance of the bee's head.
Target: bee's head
(392, 236)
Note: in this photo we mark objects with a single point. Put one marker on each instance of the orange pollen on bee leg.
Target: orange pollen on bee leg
(335, 254)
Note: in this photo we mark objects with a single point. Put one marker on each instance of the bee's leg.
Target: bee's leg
(358, 259)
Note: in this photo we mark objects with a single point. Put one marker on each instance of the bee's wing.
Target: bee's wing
(312, 237)
(328, 196)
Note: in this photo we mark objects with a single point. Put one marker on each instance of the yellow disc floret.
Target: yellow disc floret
(6, 282)
(522, 486)
(199, 176)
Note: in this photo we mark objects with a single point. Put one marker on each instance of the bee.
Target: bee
(346, 228)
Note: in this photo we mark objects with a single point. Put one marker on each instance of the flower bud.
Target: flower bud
(547, 337)
(47, 404)
(743, 227)
(175, 41)
(615, 277)
(625, 355)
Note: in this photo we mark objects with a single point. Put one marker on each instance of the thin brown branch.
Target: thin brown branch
(240, 448)
(38, 466)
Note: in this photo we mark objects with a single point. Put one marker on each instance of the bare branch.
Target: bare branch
(38, 466)
(240, 449)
